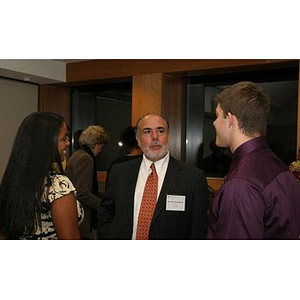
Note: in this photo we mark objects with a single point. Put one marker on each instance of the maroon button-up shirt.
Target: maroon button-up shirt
(259, 199)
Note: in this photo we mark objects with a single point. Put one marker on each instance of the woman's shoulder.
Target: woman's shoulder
(61, 180)
(60, 185)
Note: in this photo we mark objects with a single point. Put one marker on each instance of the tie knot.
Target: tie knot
(153, 168)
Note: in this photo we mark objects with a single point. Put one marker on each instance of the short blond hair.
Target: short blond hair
(93, 135)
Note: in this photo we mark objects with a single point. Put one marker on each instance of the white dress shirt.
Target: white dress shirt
(161, 168)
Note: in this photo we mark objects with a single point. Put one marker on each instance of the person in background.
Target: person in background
(129, 141)
(81, 169)
(260, 198)
(37, 200)
(217, 164)
(155, 196)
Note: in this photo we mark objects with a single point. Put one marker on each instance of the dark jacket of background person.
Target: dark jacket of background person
(218, 163)
(130, 146)
(81, 169)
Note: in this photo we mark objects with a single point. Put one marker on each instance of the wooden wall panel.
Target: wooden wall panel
(146, 95)
(173, 110)
(162, 94)
(56, 98)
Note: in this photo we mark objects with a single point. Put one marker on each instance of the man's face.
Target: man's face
(221, 127)
(153, 137)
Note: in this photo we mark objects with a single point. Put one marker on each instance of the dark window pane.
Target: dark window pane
(282, 128)
(107, 105)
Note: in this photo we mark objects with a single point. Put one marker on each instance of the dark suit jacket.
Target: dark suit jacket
(116, 209)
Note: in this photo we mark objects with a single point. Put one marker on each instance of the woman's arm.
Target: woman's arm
(65, 217)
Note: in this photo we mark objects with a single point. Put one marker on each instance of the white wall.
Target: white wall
(17, 100)
(41, 71)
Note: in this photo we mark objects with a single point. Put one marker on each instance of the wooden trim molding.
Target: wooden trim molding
(93, 70)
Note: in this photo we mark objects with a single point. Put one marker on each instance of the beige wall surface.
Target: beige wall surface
(17, 100)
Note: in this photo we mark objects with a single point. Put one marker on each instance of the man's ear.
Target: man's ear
(232, 119)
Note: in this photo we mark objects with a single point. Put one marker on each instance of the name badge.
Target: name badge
(175, 203)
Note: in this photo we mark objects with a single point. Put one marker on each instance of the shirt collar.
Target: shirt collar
(245, 148)
(158, 164)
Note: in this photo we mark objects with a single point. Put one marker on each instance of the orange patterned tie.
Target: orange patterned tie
(147, 206)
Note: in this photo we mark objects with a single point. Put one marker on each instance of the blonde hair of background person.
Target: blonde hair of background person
(94, 137)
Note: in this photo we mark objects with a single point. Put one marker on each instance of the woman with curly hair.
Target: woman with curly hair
(81, 169)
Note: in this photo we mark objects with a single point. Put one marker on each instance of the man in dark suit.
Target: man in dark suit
(181, 201)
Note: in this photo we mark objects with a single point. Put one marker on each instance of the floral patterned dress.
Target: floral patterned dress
(58, 186)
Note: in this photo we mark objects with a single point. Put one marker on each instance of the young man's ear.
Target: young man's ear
(232, 120)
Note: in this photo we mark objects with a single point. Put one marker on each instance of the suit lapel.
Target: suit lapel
(171, 180)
